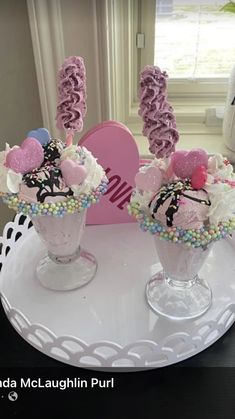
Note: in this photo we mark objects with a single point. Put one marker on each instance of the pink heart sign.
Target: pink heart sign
(184, 163)
(151, 180)
(115, 149)
(25, 158)
(73, 173)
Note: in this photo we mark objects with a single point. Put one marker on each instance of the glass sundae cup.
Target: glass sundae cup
(57, 208)
(176, 290)
(185, 219)
(186, 199)
(66, 265)
(54, 182)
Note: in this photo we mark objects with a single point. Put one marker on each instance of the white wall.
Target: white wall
(19, 97)
(61, 28)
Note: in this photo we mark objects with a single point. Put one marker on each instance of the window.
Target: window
(192, 40)
(194, 43)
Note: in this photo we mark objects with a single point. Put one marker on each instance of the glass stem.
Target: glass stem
(176, 283)
(64, 259)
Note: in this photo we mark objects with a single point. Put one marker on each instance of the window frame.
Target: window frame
(189, 98)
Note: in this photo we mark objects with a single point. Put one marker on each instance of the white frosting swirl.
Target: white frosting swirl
(222, 198)
(218, 168)
(71, 152)
(142, 198)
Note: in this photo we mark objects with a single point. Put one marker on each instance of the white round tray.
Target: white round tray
(107, 323)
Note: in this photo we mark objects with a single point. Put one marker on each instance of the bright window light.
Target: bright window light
(194, 39)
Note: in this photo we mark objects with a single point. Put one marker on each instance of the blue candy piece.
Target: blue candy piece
(40, 134)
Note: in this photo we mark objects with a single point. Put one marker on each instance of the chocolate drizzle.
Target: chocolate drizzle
(52, 152)
(48, 181)
(175, 191)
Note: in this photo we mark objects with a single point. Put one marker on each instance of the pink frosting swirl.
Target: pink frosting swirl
(72, 96)
(157, 114)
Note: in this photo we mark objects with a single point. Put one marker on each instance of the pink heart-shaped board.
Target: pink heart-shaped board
(184, 163)
(25, 158)
(115, 149)
(73, 173)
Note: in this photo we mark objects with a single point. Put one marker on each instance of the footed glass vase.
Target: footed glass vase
(176, 291)
(66, 265)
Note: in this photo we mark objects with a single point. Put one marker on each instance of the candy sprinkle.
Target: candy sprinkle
(192, 238)
(56, 209)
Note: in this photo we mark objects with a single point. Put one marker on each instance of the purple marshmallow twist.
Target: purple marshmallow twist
(72, 95)
(157, 114)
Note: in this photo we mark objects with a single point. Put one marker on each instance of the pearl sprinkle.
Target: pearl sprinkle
(56, 209)
(191, 237)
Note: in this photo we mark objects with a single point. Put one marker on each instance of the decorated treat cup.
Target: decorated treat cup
(54, 183)
(56, 196)
(178, 217)
(185, 199)
(176, 290)
(59, 218)
(66, 265)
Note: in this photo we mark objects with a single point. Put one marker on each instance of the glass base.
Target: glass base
(178, 300)
(64, 274)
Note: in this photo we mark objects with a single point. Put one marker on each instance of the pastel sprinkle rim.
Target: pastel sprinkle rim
(57, 209)
(191, 237)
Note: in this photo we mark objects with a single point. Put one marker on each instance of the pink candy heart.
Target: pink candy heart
(151, 180)
(184, 163)
(73, 173)
(199, 177)
(27, 157)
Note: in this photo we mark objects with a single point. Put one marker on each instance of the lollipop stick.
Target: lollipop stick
(69, 140)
